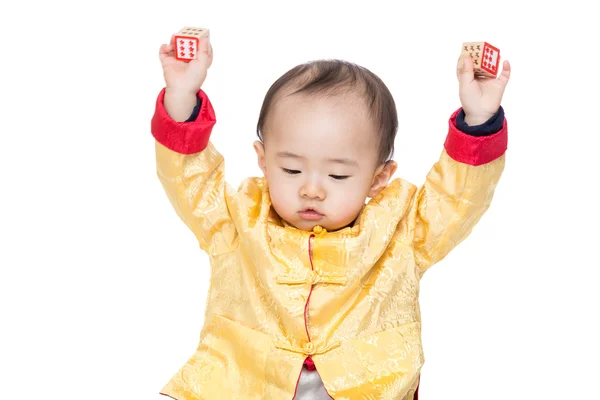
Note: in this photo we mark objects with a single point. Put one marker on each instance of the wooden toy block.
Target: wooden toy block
(486, 58)
(187, 41)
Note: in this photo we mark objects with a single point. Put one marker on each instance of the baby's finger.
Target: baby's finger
(205, 47)
(165, 52)
(505, 75)
(464, 69)
(204, 54)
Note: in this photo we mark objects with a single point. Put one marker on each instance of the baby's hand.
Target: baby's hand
(185, 77)
(480, 96)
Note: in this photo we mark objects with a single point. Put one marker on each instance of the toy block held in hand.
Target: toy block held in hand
(187, 41)
(486, 58)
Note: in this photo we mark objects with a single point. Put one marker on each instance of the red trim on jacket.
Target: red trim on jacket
(309, 364)
(475, 150)
(183, 137)
(416, 397)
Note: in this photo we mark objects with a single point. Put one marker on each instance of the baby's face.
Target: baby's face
(320, 160)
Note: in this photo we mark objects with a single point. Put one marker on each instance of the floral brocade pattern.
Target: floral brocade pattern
(363, 316)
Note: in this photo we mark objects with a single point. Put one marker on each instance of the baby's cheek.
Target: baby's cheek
(348, 204)
(282, 199)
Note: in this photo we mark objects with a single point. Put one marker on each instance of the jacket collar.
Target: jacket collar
(354, 248)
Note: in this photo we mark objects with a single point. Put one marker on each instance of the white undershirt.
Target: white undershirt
(310, 386)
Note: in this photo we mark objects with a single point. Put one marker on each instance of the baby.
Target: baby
(314, 288)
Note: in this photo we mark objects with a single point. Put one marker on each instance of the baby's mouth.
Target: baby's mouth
(310, 214)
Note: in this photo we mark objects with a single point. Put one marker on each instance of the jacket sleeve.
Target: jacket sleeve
(191, 172)
(458, 189)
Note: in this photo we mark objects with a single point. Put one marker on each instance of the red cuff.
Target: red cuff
(183, 137)
(475, 150)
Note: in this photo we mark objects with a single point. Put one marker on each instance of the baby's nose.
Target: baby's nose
(312, 191)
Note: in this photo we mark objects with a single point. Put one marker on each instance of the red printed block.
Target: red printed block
(486, 58)
(187, 41)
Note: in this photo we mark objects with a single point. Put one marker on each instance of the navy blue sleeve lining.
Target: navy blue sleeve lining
(196, 110)
(491, 126)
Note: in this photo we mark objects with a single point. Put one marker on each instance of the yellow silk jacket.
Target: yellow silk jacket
(345, 300)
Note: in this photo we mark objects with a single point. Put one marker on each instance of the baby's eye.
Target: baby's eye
(339, 177)
(291, 171)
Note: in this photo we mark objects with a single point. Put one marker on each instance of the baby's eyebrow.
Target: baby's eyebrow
(287, 154)
(344, 161)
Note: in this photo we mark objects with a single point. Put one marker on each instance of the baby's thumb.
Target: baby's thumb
(464, 70)
(204, 56)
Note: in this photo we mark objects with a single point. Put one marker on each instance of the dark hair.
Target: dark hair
(330, 77)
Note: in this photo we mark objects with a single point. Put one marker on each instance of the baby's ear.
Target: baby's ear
(383, 174)
(259, 147)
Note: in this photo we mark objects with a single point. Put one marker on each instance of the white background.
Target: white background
(103, 288)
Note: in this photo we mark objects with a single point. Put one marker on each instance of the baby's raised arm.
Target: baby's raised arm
(459, 188)
(190, 169)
